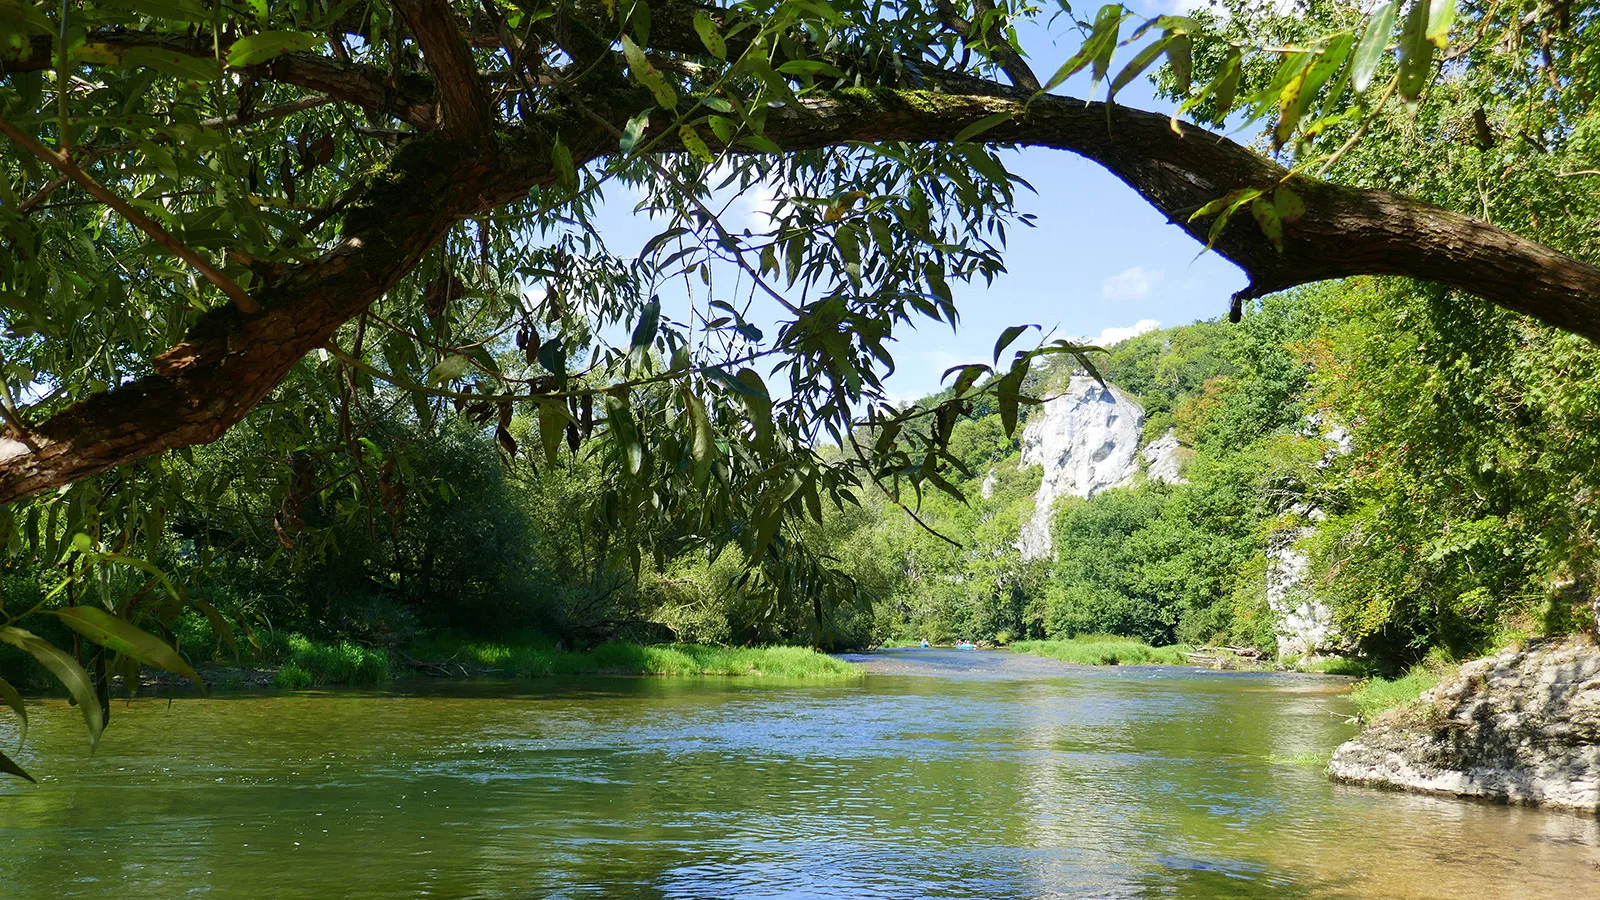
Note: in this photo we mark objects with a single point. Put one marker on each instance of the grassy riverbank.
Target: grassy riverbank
(1373, 696)
(307, 663)
(1104, 650)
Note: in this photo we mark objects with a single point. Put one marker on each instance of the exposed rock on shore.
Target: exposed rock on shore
(1519, 727)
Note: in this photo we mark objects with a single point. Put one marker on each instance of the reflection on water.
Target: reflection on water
(966, 775)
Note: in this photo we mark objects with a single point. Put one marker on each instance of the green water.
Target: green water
(966, 775)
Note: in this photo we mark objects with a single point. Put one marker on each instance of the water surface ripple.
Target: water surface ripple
(941, 775)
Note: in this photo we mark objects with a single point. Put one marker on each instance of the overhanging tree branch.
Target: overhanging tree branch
(204, 385)
(407, 96)
(1009, 60)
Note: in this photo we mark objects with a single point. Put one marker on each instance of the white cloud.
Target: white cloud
(1131, 284)
(1117, 335)
(757, 205)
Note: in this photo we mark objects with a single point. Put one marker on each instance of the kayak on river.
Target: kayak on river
(965, 646)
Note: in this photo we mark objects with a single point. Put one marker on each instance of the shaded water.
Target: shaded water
(954, 775)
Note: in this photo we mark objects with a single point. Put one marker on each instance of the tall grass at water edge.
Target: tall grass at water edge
(1374, 696)
(308, 663)
(624, 658)
(1104, 650)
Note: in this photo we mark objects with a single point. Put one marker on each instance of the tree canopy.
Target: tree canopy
(317, 214)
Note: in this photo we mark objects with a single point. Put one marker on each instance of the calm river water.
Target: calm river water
(946, 774)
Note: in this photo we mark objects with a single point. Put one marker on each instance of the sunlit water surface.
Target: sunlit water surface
(955, 775)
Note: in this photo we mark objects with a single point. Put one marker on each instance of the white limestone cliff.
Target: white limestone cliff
(1086, 438)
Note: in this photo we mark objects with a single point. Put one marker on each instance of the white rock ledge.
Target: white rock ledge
(1520, 727)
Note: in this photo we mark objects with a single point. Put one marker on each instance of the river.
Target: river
(942, 774)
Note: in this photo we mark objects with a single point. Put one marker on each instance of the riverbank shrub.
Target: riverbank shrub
(539, 659)
(1104, 650)
(292, 678)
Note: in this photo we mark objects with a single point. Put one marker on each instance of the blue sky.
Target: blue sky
(1100, 263)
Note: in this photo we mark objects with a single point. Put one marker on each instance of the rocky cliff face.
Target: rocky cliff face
(1520, 727)
(1305, 624)
(1086, 439)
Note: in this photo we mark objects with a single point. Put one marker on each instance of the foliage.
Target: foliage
(326, 664)
(531, 659)
(1103, 650)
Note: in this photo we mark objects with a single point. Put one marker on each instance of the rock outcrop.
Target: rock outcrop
(1087, 439)
(1164, 458)
(1305, 624)
(1519, 727)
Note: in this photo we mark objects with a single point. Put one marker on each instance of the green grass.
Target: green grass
(1376, 695)
(1104, 650)
(308, 663)
(1333, 665)
(537, 659)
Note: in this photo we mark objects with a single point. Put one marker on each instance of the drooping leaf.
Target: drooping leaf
(702, 443)
(1141, 61)
(258, 48)
(553, 421)
(633, 131)
(644, 332)
(696, 146)
(182, 66)
(66, 670)
(809, 67)
(1416, 52)
(1266, 216)
(1290, 205)
(1006, 337)
(1227, 83)
(982, 125)
(1373, 42)
(1180, 55)
(648, 75)
(10, 697)
(715, 44)
(122, 636)
(1441, 15)
(9, 766)
(449, 369)
(1107, 26)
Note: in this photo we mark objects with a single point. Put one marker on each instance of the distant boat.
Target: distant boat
(966, 646)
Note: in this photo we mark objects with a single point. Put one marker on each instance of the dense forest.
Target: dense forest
(1451, 512)
(1443, 461)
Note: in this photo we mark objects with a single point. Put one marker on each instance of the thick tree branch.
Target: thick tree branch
(1345, 231)
(203, 386)
(409, 98)
(1009, 60)
(467, 111)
